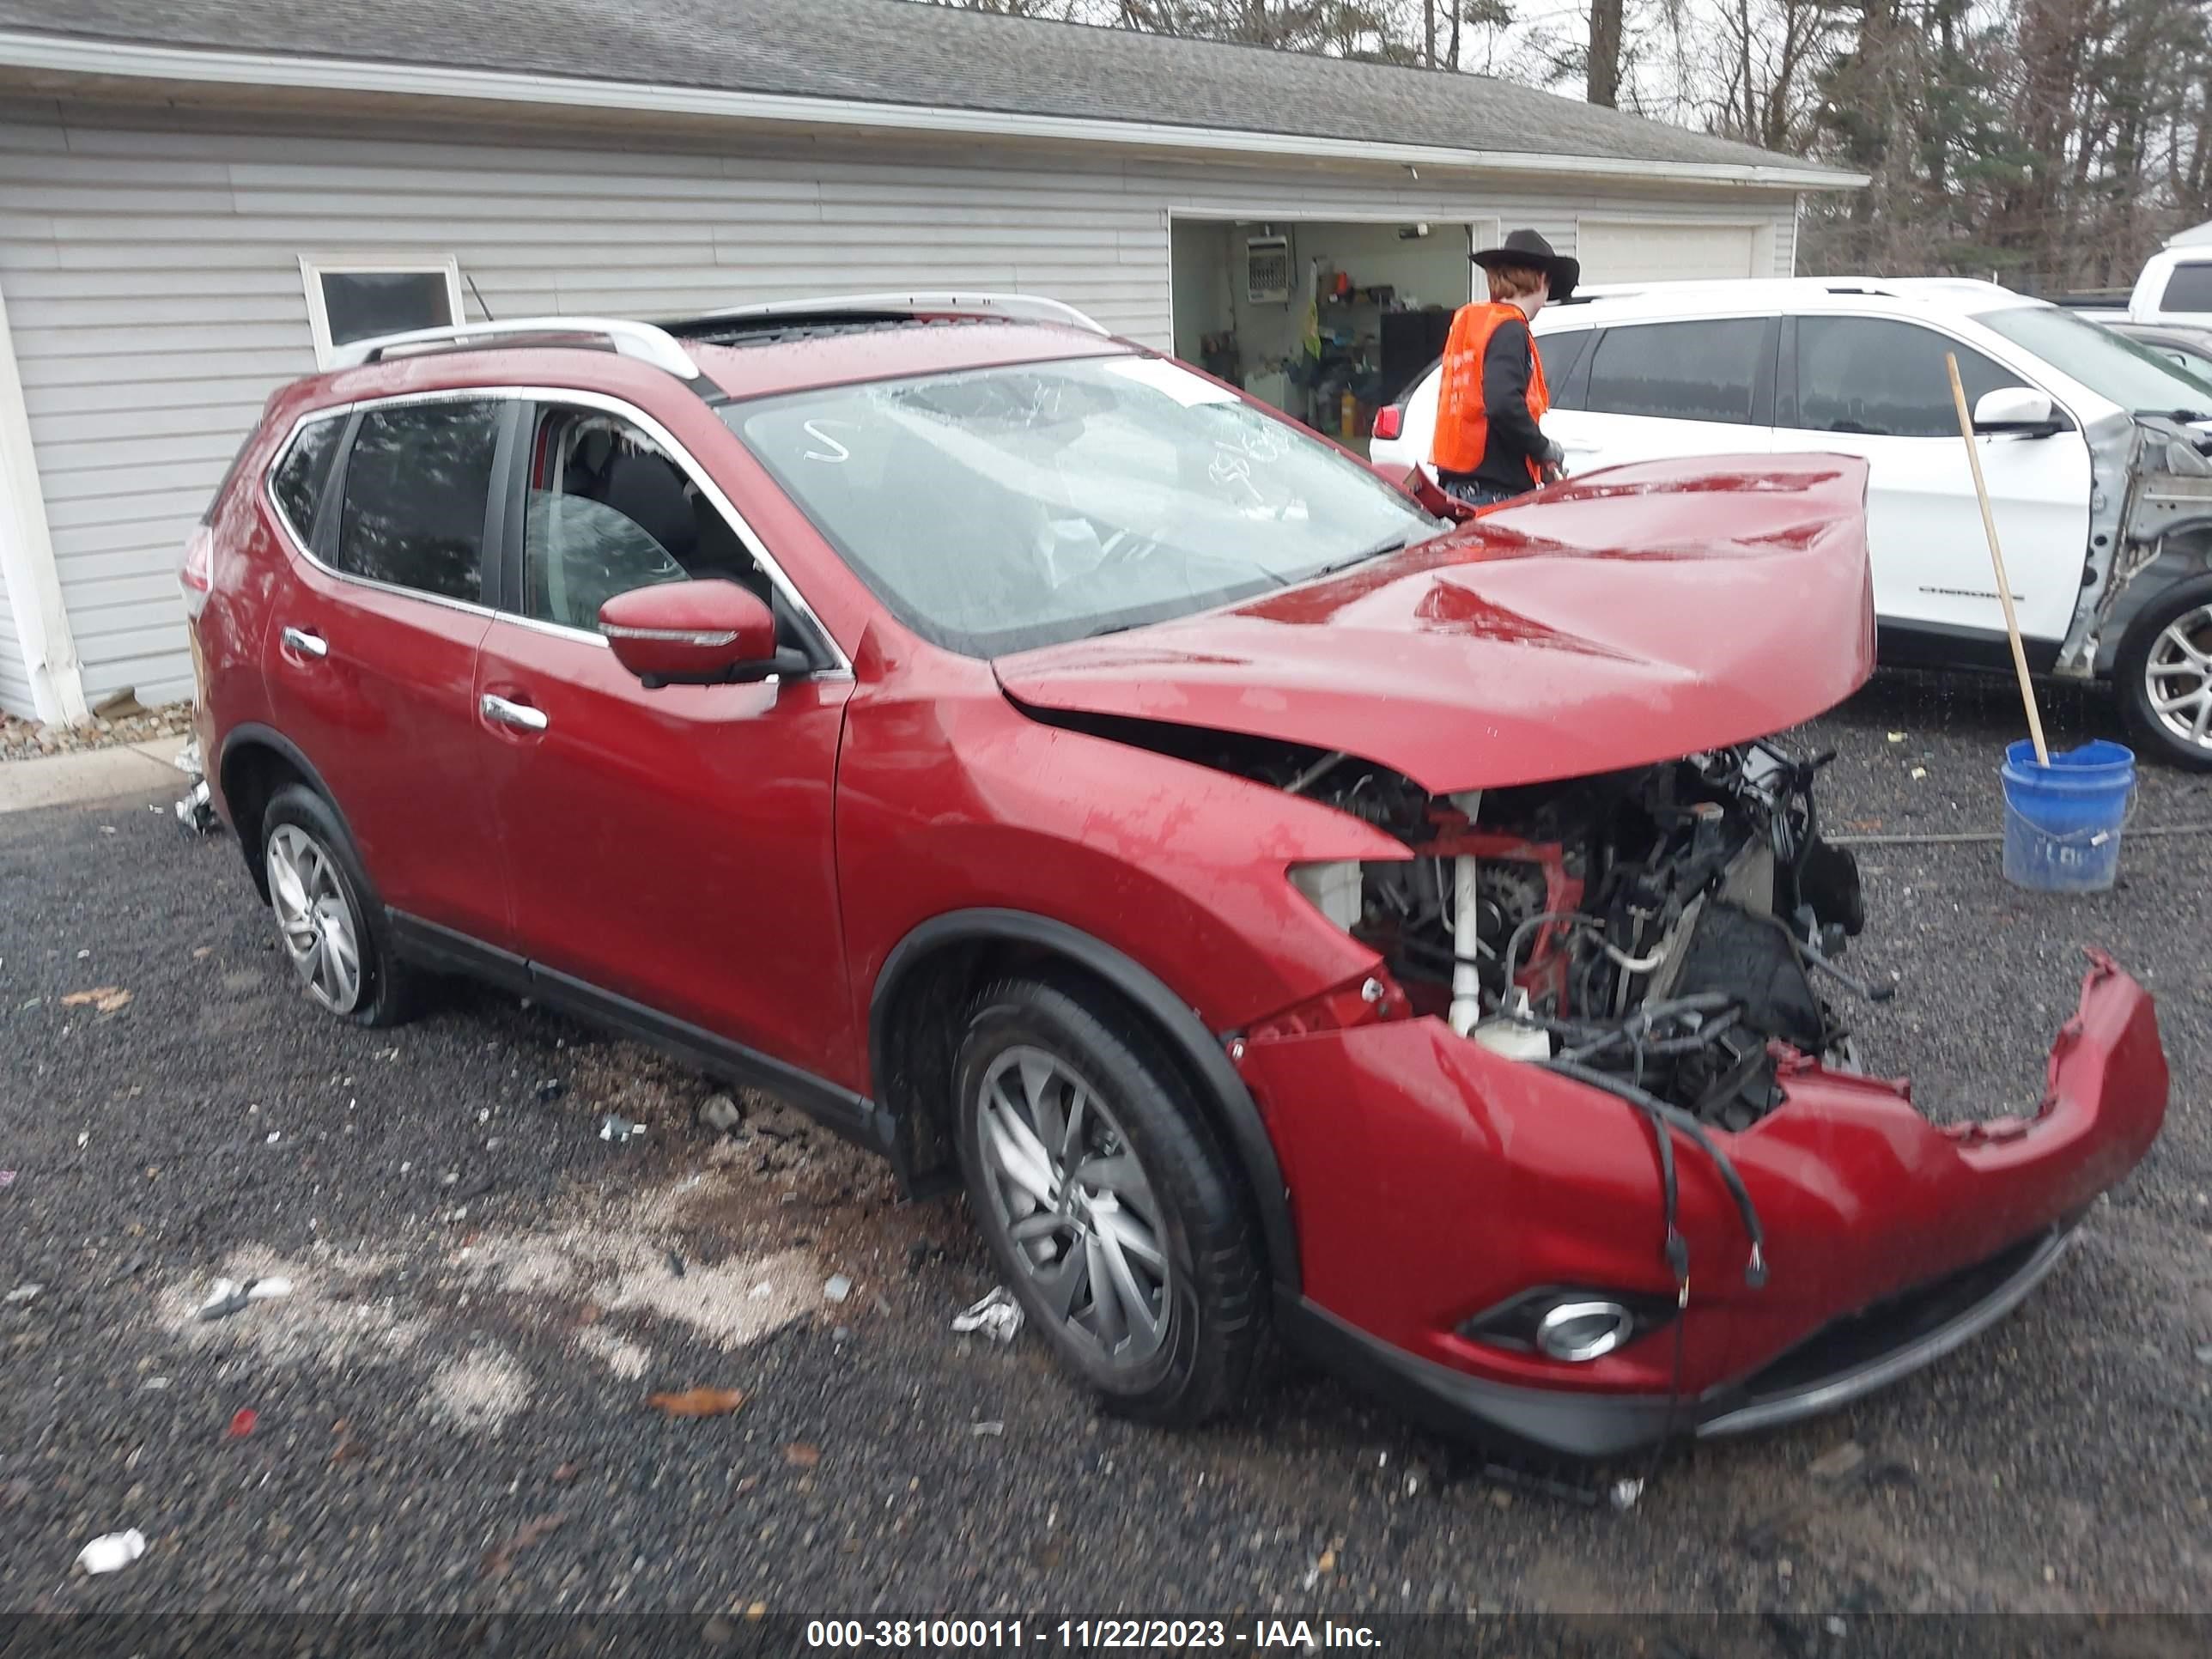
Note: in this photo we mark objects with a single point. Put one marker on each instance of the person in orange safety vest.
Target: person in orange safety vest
(1488, 446)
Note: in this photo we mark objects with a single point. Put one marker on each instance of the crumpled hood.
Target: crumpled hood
(1629, 617)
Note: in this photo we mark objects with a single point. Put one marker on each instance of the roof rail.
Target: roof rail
(1013, 307)
(640, 341)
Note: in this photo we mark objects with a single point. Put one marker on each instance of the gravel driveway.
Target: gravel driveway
(449, 1408)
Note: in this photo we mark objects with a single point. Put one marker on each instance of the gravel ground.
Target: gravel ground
(129, 721)
(450, 1404)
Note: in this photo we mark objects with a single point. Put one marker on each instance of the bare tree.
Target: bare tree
(1602, 82)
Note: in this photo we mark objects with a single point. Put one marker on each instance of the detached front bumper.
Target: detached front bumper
(1432, 1180)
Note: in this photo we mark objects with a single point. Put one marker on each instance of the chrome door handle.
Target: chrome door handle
(519, 716)
(306, 644)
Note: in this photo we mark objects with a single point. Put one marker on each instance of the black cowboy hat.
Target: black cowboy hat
(1525, 247)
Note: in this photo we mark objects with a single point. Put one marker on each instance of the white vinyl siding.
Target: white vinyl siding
(15, 678)
(151, 265)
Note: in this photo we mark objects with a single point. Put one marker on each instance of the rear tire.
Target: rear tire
(2162, 673)
(1107, 1202)
(332, 934)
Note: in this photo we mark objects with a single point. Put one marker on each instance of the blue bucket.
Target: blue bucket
(2063, 821)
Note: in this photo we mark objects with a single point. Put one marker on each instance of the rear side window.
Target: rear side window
(416, 480)
(1885, 379)
(298, 481)
(1679, 371)
(2189, 288)
(1560, 354)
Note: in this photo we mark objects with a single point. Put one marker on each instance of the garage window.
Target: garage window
(359, 300)
(1679, 371)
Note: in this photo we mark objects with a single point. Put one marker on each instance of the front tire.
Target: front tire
(2163, 674)
(332, 934)
(1107, 1202)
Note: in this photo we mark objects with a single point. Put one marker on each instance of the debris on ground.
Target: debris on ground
(1624, 1494)
(1839, 1461)
(676, 1264)
(720, 1113)
(2203, 1354)
(619, 1130)
(802, 1454)
(550, 1091)
(112, 1552)
(697, 1402)
(22, 1293)
(229, 1297)
(195, 809)
(979, 1430)
(837, 1287)
(7, 1179)
(242, 1423)
(500, 1561)
(101, 999)
(998, 1316)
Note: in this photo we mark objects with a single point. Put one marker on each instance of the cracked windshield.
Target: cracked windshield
(1002, 508)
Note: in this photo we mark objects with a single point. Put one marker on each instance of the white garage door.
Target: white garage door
(1622, 253)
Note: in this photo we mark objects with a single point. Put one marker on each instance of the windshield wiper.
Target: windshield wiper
(1387, 545)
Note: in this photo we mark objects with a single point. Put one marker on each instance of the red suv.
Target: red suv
(1272, 903)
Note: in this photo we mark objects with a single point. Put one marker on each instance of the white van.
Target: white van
(2092, 447)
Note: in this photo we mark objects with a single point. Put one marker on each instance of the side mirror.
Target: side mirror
(2019, 410)
(695, 633)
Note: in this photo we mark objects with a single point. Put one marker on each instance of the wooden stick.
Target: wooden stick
(1996, 558)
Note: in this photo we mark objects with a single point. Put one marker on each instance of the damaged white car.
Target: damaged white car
(2093, 448)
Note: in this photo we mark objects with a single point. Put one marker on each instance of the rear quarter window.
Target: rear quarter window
(301, 474)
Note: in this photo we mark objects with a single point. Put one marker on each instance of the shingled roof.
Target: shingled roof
(894, 52)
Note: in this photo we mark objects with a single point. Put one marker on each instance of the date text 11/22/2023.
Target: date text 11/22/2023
(1086, 1634)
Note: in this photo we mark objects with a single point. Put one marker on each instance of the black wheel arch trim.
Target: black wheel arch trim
(252, 734)
(1237, 1113)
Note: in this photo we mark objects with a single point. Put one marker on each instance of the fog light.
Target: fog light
(1578, 1331)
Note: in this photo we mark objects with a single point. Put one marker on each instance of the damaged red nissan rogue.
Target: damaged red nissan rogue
(1273, 904)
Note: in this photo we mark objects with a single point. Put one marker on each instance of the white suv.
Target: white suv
(2092, 448)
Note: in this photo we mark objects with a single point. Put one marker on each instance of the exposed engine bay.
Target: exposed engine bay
(1671, 926)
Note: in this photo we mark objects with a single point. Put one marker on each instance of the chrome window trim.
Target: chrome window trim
(841, 666)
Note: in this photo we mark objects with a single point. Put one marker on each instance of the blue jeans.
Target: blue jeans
(1474, 493)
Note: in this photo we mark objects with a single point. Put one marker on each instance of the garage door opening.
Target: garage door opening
(1327, 322)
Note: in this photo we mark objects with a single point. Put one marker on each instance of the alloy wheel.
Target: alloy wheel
(321, 934)
(1076, 1205)
(2178, 677)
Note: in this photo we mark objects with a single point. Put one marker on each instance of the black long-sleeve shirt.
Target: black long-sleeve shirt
(1513, 439)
